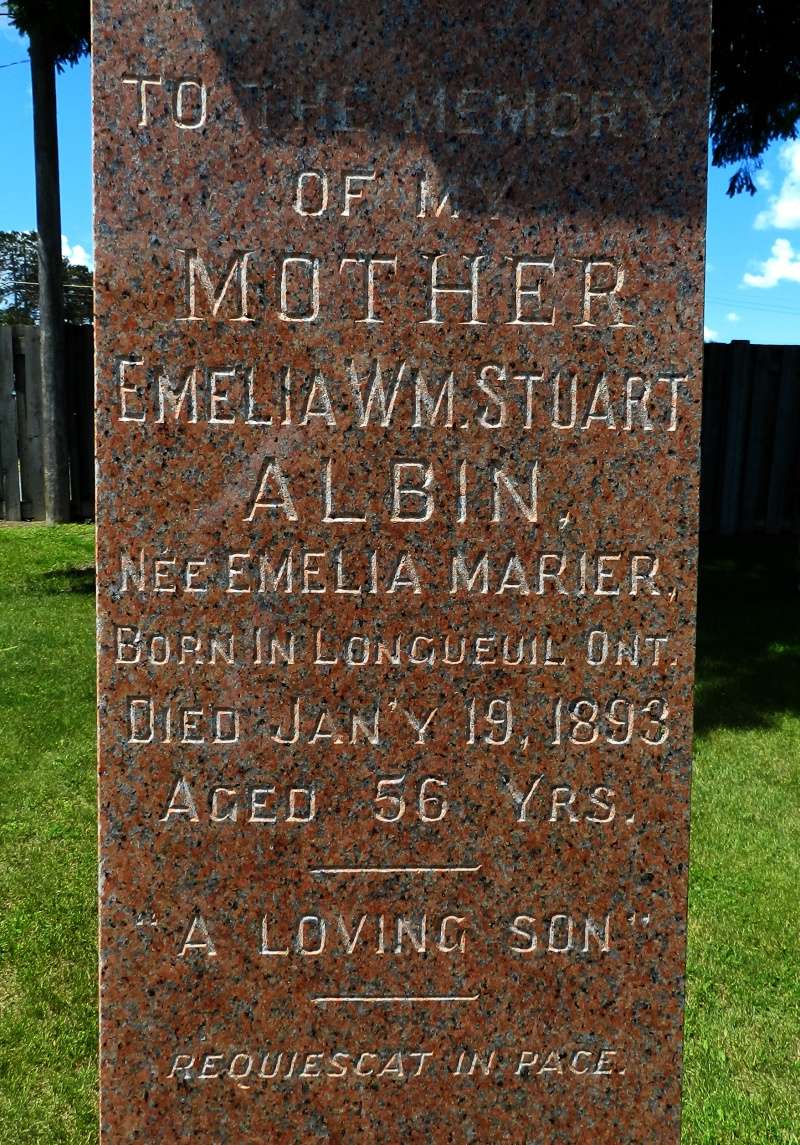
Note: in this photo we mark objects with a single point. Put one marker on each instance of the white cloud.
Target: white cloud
(76, 254)
(783, 211)
(732, 316)
(783, 265)
(763, 180)
(709, 335)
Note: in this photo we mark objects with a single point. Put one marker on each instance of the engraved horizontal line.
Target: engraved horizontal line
(394, 870)
(322, 1001)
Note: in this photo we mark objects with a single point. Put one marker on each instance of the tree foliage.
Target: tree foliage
(755, 82)
(19, 283)
(65, 24)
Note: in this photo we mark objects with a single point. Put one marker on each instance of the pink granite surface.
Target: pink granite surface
(396, 586)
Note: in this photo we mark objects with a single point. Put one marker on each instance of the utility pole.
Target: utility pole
(51, 291)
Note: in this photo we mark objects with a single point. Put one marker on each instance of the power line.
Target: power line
(756, 309)
(761, 307)
(65, 285)
(15, 64)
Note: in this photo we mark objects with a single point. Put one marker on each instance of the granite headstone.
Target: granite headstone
(399, 314)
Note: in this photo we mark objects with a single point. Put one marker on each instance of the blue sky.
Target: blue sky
(17, 184)
(753, 270)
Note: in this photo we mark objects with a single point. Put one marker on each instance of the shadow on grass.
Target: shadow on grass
(748, 637)
(81, 579)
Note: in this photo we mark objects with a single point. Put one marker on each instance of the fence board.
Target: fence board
(755, 460)
(9, 459)
(28, 385)
(80, 397)
(735, 430)
(784, 483)
(711, 446)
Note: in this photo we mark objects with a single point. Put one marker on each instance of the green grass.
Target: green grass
(742, 1081)
(743, 1014)
(48, 879)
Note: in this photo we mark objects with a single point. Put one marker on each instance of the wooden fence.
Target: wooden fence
(21, 482)
(750, 447)
(750, 451)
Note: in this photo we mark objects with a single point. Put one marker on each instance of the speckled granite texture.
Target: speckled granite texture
(398, 372)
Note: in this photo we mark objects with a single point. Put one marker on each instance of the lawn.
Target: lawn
(743, 1018)
(743, 1014)
(48, 876)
